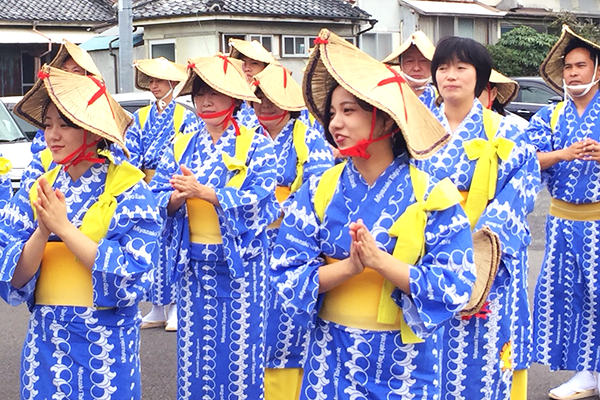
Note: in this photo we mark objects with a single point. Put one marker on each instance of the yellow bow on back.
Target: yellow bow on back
(5, 165)
(299, 139)
(409, 228)
(485, 177)
(238, 163)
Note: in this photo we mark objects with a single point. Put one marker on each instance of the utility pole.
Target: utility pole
(125, 83)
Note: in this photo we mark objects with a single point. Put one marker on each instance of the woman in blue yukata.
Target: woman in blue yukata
(153, 130)
(6, 190)
(77, 247)
(376, 254)
(301, 152)
(498, 175)
(216, 186)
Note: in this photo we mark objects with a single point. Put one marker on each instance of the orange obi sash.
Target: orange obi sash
(465, 196)
(574, 212)
(149, 174)
(63, 280)
(204, 222)
(355, 302)
(281, 194)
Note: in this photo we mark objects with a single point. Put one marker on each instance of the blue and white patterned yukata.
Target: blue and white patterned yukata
(347, 362)
(146, 146)
(286, 341)
(480, 352)
(428, 97)
(6, 190)
(221, 295)
(567, 292)
(84, 352)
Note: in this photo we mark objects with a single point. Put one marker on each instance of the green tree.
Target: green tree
(585, 27)
(520, 51)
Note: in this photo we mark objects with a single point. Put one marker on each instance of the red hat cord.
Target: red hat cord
(360, 148)
(228, 114)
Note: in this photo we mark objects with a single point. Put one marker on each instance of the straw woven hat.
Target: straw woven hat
(160, 68)
(507, 88)
(82, 99)
(79, 55)
(552, 67)
(223, 74)
(486, 248)
(278, 86)
(418, 39)
(253, 50)
(335, 61)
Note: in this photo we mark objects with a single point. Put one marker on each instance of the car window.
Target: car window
(533, 93)
(9, 130)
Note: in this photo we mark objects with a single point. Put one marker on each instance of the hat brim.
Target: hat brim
(335, 61)
(253, 50)
(552, 67)
(419, 40)
(74, 97)
(223, 74)
(487, 252)
(507, 88)
(79, 55)
(159, 68)
(280, 88)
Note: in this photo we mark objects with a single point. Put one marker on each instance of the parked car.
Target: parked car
(534, 93)
(28, 129)
(14, 145)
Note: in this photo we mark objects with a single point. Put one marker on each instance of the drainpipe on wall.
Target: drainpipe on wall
(38, 59)
(115, 63)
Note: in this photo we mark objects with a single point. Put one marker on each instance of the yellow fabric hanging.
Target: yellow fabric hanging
(485, 177)
(178, 114)
(299, 140)
(96, 221)
(238, 163)
(5, 165)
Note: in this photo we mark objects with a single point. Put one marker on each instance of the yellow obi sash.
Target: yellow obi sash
(465, 197)
(204, 222)
(355, 302)
(575, 212)
(281, 194)
(149, 174)
(63, 281)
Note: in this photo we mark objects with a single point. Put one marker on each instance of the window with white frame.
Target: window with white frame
(265, 40)
(299, 46)
(163, 48)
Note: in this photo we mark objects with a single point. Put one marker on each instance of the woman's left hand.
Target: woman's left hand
(51, 208)
(369, 253)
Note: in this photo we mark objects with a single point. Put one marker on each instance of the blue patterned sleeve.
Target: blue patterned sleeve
(539, 133)
(441, 282)
(39, 142)
(6, 191)
(253, 206)
(297, 257)
(34, 170)
(122, 266)
(133, 142)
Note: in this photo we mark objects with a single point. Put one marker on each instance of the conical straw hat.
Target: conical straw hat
(278, 86)
(418, 39)
(335, 61)
(253, 50)
(507, 88)
(221, 73)
(160, 68)
(82, 99)
(79, 55)
(552, 67)
(486, 249)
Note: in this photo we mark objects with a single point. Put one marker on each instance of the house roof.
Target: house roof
(328, 9)
(460, 8)
(77, 11)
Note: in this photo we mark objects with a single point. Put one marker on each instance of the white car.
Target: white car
(14, 146)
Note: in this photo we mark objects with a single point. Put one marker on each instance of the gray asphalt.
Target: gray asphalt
(158, 347)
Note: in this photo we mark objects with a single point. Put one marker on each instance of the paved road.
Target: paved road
(158, 347)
